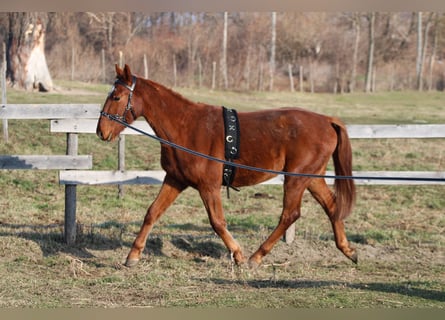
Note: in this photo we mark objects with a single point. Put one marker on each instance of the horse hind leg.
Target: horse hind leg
(293, 193)
(326, 198)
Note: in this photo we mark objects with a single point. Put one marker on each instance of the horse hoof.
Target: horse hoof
(131, 262)
(253, 265)
(354, 257)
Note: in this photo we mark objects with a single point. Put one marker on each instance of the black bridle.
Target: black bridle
(128, 107)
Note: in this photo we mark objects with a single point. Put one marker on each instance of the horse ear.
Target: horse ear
(127, 72)
(119, 71)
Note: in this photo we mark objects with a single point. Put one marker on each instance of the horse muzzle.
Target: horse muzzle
(103, 137)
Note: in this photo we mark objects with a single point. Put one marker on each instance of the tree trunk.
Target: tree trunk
(368, 78)
(421, 49)
(224, 53)
(356, 23)
(433, 52)
(25, 55)
(272, 50)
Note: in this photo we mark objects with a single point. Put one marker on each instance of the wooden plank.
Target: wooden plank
(409, 131)
(111, 177)
(49, 111)
(385, 174)
(355, 131)
(90, 125)
(74, 125)
(157, 176)
(50, 162)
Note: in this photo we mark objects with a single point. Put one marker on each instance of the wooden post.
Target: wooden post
(291, 77)
(121, 144)
(213, 75)
(289, 236)
(199, 72)
(301, 78)
(311, 75)
(260, 78)
(72, 63)
(121, 161)
(174, 71)
(103, 65)
(391, 81)
(4, 97)
(121, 59)
(145, 67)
(71, 194)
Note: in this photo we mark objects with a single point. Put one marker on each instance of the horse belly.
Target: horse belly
(243, 179)
(272, 160)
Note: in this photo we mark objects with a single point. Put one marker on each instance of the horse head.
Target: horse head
(119, 106)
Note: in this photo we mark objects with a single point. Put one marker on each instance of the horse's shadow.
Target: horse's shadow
(51, 241)
(407, 288)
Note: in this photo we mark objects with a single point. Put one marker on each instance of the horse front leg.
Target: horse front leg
(213, 205)
(169, 192)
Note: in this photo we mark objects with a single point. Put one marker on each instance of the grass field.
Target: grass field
(398, 231)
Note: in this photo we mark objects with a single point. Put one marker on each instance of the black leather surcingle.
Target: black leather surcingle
(231, 140)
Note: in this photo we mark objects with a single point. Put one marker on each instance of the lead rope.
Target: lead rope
(275, 172)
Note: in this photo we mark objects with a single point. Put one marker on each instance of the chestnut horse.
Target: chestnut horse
(292, 140)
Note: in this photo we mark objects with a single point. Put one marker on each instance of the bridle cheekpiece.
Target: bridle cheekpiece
(129, 107)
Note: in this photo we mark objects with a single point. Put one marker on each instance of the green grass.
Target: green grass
(398, 230)
(378, 108)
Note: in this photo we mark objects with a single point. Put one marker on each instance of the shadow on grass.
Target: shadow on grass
(408, 288)
(51, 241)
(207, 248)
(109, 236)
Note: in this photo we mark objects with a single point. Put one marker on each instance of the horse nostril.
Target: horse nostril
(100, 135)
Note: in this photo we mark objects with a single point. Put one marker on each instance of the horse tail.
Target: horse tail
(342, 156)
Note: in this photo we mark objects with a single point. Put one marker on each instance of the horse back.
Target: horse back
(289, 139)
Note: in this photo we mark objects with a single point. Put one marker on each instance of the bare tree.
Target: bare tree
(249, 51)
(371, 44)
(272, 50)
(433, 50)
(135, 23)
(104, 22)
(25, 52)
(419, 51)
(224, 53)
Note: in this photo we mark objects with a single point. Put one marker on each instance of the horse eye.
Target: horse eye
(116, 98)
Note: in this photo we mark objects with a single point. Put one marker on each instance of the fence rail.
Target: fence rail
(74, 119)
(49, 111)
(39, 162)
(107, 177)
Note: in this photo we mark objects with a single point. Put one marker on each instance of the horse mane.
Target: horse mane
(161, 88)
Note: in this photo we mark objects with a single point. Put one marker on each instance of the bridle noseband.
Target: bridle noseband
(128, 107)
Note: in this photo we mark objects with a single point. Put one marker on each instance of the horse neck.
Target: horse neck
(166, 111)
